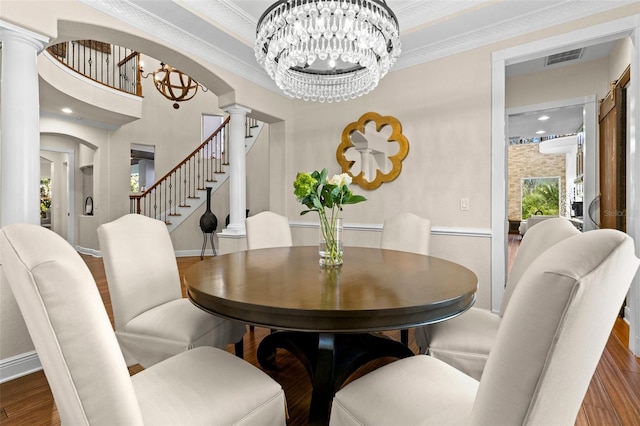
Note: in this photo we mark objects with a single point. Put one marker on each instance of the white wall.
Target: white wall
(568, 82)
(444, 108)
(620, 58)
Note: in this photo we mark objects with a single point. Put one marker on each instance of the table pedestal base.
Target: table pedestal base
(330, 358)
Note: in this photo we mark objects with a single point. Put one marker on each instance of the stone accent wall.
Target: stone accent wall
(526, 161)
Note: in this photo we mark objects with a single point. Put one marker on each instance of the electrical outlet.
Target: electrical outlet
(464, 204)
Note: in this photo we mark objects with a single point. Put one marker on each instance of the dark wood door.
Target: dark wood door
(613, 157)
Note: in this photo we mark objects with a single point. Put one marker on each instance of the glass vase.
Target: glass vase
(330, 248)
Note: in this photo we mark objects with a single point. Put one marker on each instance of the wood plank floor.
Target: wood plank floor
(613, 397)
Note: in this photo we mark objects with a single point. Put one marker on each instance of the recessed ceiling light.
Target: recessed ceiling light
(543, 117)
(67, 110)
(540, 132)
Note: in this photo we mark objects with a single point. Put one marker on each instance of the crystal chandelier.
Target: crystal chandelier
(327, 50)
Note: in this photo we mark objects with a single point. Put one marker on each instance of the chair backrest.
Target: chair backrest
(268, 229)
(538, 239)
(554, 331)
(140, 265)
(69, 326)
(406, 232)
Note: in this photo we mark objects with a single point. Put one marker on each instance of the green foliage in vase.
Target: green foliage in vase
(316, 191)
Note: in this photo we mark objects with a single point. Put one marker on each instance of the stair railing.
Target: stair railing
(105, 63)
(176, 188)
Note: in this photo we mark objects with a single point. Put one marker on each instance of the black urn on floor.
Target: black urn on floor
(208, 221)
(208, 225)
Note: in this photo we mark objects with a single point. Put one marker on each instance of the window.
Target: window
(45, 196)
(540, 195)
(142, 174)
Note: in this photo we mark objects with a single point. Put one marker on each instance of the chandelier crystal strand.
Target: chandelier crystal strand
(327, 50)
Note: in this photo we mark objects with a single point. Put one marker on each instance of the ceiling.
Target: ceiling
(563, 120)
(222, 31)
(559, 122)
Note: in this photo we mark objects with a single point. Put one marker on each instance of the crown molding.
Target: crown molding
(557, 14)
(226, 16)
(411, 13)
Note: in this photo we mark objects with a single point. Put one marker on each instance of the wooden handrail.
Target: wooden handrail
(129, 57)
(179, 185)
(183, 162)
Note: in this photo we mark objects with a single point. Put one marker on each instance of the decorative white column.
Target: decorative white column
(237, 170)
(20, 107)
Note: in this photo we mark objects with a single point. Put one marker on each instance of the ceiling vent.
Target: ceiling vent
(569, 55)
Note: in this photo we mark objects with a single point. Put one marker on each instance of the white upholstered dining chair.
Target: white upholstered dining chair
(406, 232)
(85, 368)
(152, 319)
(548, 346)
(268, 229)
(465, 341)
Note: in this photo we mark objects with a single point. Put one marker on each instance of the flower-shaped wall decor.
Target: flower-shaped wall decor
(371, 158)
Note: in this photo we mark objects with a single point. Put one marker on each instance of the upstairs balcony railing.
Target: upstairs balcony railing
(105, 63)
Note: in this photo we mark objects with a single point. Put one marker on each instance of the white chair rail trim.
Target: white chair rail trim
(435, 230)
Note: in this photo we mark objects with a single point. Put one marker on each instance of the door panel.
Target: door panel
(613, 160)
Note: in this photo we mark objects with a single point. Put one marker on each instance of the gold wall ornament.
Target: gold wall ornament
(370, 155)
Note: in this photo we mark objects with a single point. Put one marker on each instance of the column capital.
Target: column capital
(9, 32)
(236, 109)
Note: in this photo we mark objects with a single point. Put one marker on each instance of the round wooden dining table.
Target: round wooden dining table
(328, 317)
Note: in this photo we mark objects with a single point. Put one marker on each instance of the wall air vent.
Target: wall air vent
(569, 55)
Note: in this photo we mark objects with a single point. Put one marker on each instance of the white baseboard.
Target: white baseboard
(179, 253)
(19, 365)
(88, 251)
(193, 253)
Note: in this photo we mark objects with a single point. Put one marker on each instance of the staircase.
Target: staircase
(182, 191)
